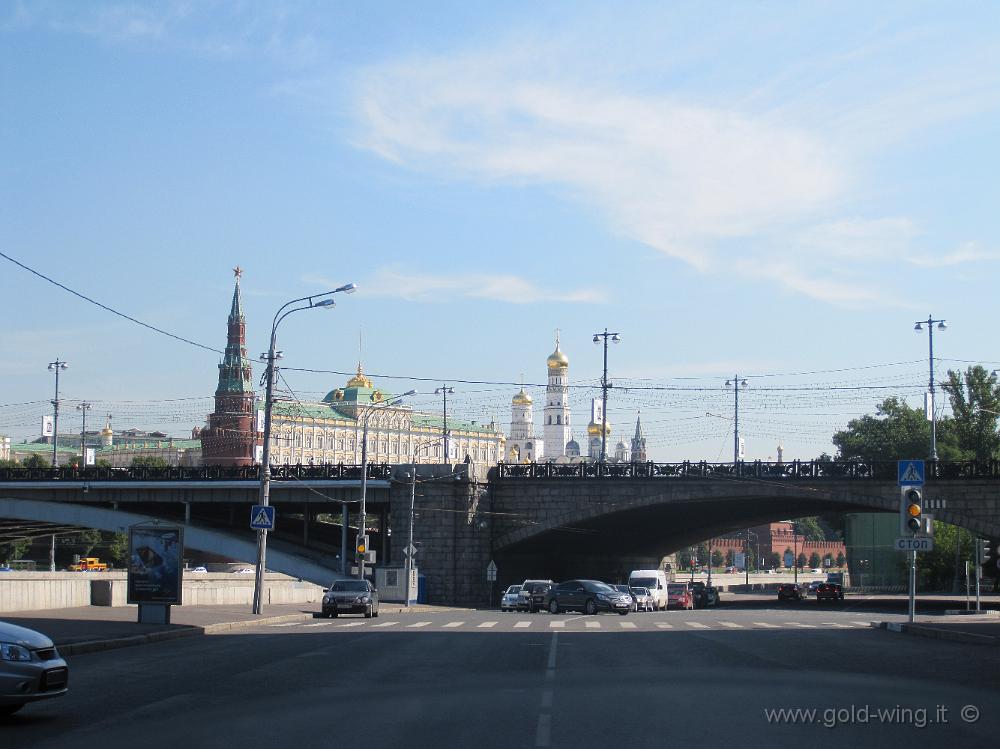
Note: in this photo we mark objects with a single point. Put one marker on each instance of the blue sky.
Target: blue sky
(763, 188)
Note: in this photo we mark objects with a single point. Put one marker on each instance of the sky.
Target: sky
(766, 189)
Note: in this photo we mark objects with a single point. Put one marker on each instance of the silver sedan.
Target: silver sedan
(30, 668)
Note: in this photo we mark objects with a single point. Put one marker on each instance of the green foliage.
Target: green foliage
(952, 546)
(841, 559)
(717, 558)
(896, 432)
(118, 549)
(809, 528)
(814, 560)
(800, 561)
(773, 559)
(15, 549)
(975, 405)
(149, 461)
(729, 558)
(102, 463)
(35, 461)
(8, 463)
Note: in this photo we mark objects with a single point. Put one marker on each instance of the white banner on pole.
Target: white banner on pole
(47, 428)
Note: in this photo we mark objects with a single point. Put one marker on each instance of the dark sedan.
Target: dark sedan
(704, 595)
(792, 592)
(588, 596)
(30, 668)
(829, 592)
(351, 597)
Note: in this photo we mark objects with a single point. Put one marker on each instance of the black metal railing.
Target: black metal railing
(339, 472)
(794, 470)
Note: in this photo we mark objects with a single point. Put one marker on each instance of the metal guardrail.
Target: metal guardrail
(794, 470)
(376, 472)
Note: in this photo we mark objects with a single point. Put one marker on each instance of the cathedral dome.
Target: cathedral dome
(521, 399)
(359, 380)
(594, 430)
(557, 359)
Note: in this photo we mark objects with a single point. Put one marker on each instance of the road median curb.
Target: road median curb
(936, 633)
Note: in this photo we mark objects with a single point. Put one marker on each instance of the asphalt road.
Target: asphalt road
(484, 679)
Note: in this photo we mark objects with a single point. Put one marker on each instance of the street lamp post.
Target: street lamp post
(736, 383)
(942, 326)
(311, 302)
(362, 521)
(605, 385)
(445, 391)
(83, 407)
(56, 366)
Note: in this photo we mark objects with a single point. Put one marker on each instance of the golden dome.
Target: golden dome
(594, 430)
(557, 359)
(522, 399)
(359, 380)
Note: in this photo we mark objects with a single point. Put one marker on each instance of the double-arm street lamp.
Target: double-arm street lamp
(605, 385)
(311, 302)
(83, 407)
(362, 522)
(736, 383)
(445, 391)
(930, 322)
(56, 366)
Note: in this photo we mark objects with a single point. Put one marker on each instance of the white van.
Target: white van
(656, 581)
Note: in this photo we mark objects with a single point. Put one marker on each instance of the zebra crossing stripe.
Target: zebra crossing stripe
(417, 625)
(452, 625)
(561, 624)
(385, 624)
(627, 625)
(664, 625)
(487, 625)
(522, 625)
(697, 625)
(765, 625)
(731, 625)
(593, 625)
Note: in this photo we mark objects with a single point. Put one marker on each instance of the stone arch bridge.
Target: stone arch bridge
(538, 520)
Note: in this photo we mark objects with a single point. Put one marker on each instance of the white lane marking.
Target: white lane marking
(859, 624)
(287, 624)
(417, 625)
(664, 625)
(350, 624)
(593, 625)
(386, 624)
(627, 625)
(544, 732)
(487, 625)
(765, 625)
(731, 625)
(318, 624)
(522, 625)
(800, 625)
(452, 625)
(557, 624)
(697, 625)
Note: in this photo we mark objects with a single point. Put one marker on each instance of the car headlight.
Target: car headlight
(603, 597)
(365, 599)
(11, 652)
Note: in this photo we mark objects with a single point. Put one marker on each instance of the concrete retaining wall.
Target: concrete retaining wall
(36, 591)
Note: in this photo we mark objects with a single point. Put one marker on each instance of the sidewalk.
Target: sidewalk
(87, 629)
(977, 629)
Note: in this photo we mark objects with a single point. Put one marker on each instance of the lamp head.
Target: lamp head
(942, 325)
(918, 326)
(597, 339)
(408, 393)
(325, 303)
(616, 338)
(348, 288)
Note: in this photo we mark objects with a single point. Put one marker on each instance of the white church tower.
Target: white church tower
(522, 447)
(557, 430)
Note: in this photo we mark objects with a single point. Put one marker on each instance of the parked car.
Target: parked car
(704, 595)
(830, 592)
(627, 591)
(509, 600)
(679, 596)
(655, 581)
(792, 592)
(643, 598)
(351, 597)
(813, 585)
(31, 668)
(534, 595)
(589, 596)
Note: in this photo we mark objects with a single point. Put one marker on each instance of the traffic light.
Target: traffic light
(362, 545)
(985, 553)
(911, 510)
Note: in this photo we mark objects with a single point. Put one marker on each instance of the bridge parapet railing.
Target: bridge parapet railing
(857, 470)
(340, 471)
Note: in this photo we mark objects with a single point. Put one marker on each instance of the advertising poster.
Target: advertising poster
(156, 555)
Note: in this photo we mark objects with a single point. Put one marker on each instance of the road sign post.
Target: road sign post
(910, 477)
(491, 576)
(262, 517)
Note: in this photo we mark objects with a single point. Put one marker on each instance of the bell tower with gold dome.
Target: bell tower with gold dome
(557, 430)
(523, 447)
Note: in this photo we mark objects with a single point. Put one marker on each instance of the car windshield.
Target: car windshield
(643, 582)
(640, 591)
(621, 588)
(673, 589)
(349, 586)
(596, 587)
(514, 589)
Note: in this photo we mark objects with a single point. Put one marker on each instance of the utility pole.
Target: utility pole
(605, 386)
(83, 407)
(445, 391)
(930, 322)
(56, 366)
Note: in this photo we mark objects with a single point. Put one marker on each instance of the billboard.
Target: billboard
(156, 555)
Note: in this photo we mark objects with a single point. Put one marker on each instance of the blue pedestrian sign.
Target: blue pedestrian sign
(910, 472)
(262, 518)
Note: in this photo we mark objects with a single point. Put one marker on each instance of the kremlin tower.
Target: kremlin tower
(230, 437)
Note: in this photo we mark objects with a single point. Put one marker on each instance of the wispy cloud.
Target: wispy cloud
(970, 252)
(396, 282)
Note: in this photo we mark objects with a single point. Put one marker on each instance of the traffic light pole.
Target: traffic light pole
(979, 572)
(913, 583)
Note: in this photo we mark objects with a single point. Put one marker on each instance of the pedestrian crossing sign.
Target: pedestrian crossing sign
(910, 472)
(262, 518)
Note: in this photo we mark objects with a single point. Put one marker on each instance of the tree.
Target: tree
(35, 461)
(841, 559)
(938, 567)
(717, 558)
(896, 432)
(118, 548)
(814, 560)
(975, 406)
(729, 557)
(809, 528)
(684, 559)
(801, 560)
(149, 461)
(773, 560)
(15, 549)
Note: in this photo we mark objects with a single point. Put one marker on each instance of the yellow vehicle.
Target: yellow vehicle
(89, 564)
